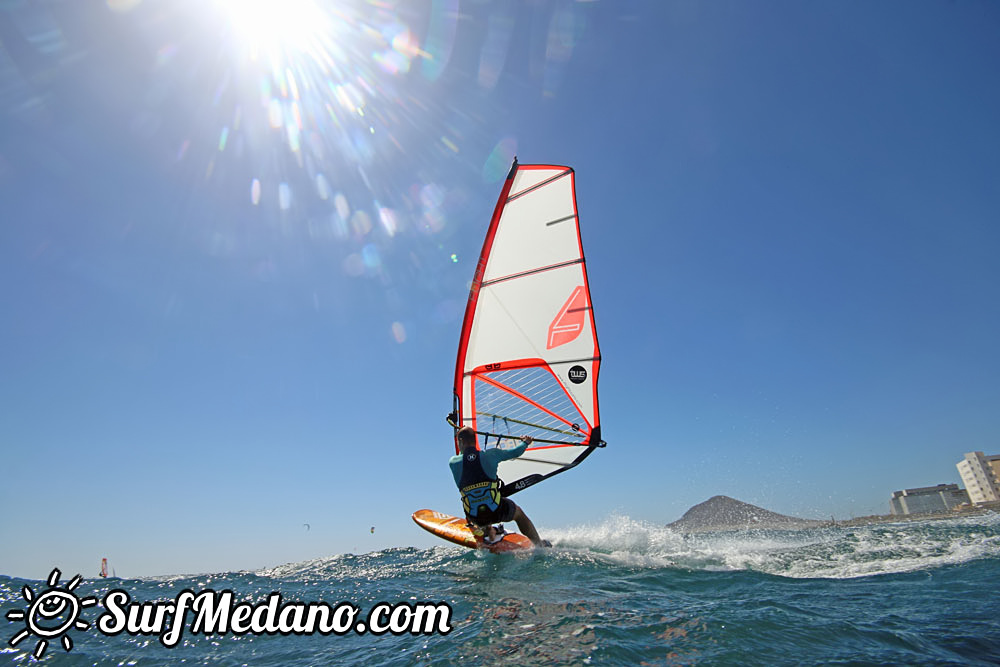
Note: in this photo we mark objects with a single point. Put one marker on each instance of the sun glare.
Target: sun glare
(275, 26)
(315, 101)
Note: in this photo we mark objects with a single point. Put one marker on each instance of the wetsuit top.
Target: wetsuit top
(476, 477)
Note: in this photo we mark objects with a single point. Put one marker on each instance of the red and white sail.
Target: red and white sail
(528, 357)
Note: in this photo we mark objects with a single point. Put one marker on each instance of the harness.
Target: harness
(480, 493)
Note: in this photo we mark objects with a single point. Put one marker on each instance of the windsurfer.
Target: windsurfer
(475, 474)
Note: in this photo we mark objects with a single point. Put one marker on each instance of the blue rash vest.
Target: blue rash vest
(478, 480)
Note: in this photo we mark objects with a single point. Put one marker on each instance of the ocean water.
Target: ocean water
(617, 593)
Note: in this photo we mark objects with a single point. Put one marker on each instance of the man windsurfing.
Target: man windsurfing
(475, 473)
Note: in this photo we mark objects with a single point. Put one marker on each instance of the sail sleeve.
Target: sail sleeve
(528, 356)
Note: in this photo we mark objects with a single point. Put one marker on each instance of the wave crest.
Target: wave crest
(825, 552)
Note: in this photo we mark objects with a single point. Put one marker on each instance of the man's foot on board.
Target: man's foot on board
(545, 543)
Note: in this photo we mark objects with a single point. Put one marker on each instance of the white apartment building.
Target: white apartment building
(981, 475)
(927, 499)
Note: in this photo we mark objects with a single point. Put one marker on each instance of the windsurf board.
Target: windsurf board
(456, 530)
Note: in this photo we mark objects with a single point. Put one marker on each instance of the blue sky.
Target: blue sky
(233, 260)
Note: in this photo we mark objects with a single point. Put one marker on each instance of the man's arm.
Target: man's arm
(514, 452)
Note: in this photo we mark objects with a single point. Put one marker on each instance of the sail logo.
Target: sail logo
(578, 375)
(568, 324)
(527, 481)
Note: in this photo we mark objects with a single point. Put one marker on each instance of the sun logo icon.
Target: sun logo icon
(51, 614)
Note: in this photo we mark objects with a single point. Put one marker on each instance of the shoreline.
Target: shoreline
(872, 519)
(987, 508)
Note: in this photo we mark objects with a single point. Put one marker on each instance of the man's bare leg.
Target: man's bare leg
(527, 528)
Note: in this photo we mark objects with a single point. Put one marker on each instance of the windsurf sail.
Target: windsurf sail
(104, 567)
(528, 357)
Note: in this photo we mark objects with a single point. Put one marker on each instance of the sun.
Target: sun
(51, 614)
(271, 28)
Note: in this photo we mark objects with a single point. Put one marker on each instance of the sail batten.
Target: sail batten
(533, 271)
(528, 356)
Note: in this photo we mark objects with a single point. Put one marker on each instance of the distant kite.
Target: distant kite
(306, 525)
(373, 530)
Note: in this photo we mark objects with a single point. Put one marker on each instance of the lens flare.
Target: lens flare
(284, 196)
(342, 121)
(122, 5)
(399, 332)
(499, 31)
(498, 163)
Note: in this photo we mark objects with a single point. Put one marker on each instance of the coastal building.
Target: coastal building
(981, 473)
(927, 499)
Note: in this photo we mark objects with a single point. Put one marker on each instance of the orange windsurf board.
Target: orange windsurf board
(456, 530)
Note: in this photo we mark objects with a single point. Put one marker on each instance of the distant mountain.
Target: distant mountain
(725, 513)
